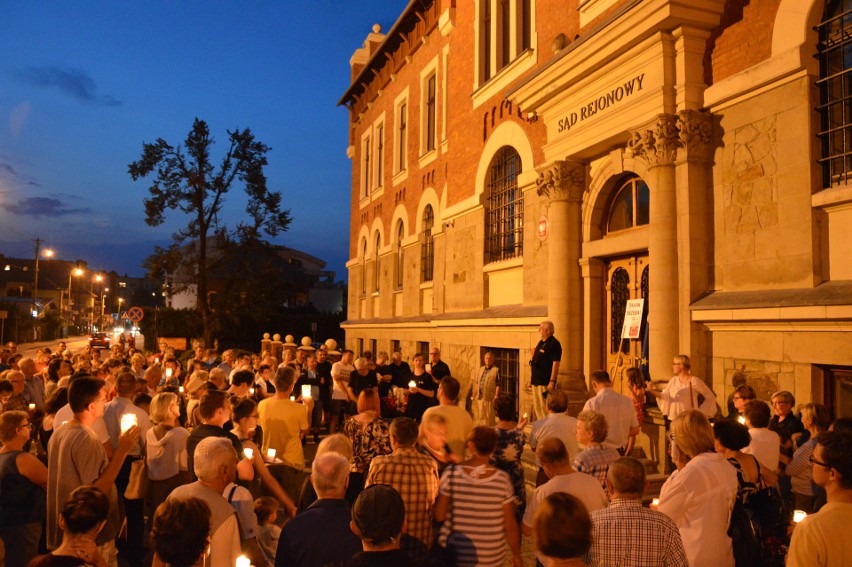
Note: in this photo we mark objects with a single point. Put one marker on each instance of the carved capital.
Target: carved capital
(562, 181)
(657, 142)
(696, 134)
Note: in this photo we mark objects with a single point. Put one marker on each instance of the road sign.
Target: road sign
(135, 314)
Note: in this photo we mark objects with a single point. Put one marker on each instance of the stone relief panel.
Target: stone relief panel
(749, 184)
(766, 377)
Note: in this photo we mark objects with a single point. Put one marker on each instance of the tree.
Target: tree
(187, 180)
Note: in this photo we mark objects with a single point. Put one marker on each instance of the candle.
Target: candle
(306, 391)
(526, 415)
(169, 372)
(741, 419)
(799, 515)
(32, 407)
(271, 453)
(655, 503)
(248, 453)
(128, 420)
(412, 384)
(292, 398)
(243, 561)
(251, 391)
(181, 389)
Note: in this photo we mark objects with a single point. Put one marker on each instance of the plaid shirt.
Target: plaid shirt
(625, 533)
(595, 461)
(415, 477)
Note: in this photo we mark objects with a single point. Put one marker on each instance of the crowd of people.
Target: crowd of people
(157, 459)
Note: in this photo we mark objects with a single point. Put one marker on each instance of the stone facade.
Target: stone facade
(668, 152)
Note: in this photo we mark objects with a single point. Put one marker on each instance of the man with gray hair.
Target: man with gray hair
(33, 383)
(544, 367)
(626, 533)
(299, 544)
(363, 377)
(215, 465)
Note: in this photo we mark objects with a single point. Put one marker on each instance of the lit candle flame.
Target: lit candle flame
(249, 453)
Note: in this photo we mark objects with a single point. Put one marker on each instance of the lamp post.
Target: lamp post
(98, 278)
(103, 303)
(75, 272)
(47, 254)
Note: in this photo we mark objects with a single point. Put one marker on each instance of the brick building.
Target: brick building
(521, 160)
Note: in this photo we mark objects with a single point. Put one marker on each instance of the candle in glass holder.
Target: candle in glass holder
(799, 515)
(169, 372)
(32, 407)
(741, 419)
(271, 453)
(243, 561)
(249, 453)
(128, 420)
(412, 384)
(251, 391)
(306, 391)
(292, 398)
(181, 389)
(655, 503)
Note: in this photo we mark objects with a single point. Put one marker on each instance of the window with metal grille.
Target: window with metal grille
(423, 349)
(367, 177)
(377, 276)
(402, 132)
(400, 254)
(427, 246)
(505, 220)
(508, 368)
(619, 291)
(834, 52)
(431, 113)
(380, 151)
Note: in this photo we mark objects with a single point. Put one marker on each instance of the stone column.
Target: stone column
(594, 277)
(657, 143)
(563, 184)
(695, 222)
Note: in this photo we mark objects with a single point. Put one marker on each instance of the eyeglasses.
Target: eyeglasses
(781, 403)
(28, 425)
(738, 397)
(820, 463)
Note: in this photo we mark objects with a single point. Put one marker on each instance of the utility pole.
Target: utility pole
(35, 278)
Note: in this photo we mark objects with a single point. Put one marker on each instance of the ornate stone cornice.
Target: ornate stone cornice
(657, 142)
(696, 134)
(562, 181)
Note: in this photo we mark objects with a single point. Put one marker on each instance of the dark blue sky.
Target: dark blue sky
(84, 84)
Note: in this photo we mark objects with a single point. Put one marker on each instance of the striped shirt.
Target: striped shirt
(595, 461)
(477, 496)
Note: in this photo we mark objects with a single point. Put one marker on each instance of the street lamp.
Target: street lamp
(98, 278)
(75, 272)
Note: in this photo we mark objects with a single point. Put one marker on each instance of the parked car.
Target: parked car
(99, 340)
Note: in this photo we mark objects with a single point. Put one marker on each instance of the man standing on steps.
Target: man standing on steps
(545, 367)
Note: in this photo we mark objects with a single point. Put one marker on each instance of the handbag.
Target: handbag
(768, 508)
(138, 482)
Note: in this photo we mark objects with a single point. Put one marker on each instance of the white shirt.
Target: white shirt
(765, 446)
(676, 399)
(559, 425)
(65, 414)
(619, 414)
(584, 487)
(699, 499)
(340, 371)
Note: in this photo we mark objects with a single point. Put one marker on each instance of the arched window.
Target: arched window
(505, 216)
(835, 62)
(364, 267)
(400, 234)
(377, 275)
(630, 207)
(427, 248)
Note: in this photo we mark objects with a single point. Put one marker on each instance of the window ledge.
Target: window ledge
(375, 293)
(501, 81)
(377, 192)
(834, 197)
(364, 202)
(399, 177)
(427, 158)
(506, 264)
(427, 285)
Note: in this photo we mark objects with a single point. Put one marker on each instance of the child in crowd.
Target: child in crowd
(268, 532)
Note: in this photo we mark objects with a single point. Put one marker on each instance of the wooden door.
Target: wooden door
(627, 278)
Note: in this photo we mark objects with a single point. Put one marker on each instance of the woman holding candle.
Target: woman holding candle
(165, 449)
(816, 419)
(683, 391)
(421, 388)
(244, 418)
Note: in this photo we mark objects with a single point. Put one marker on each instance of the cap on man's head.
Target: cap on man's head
(379, 513)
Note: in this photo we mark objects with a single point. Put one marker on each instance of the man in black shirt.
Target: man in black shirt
(437, 368)
(545, 367)
(362, 378)
(215, 411)
(323, 370)
(400, 370)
